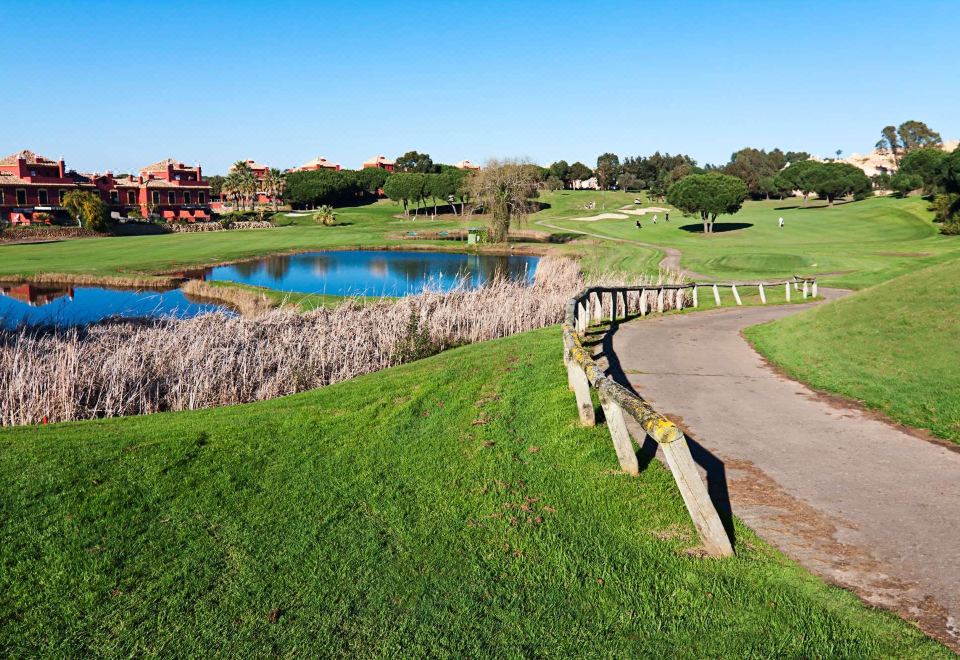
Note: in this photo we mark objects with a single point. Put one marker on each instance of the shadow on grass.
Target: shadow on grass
(718, 227)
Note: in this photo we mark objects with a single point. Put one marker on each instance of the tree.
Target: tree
(504, 188)
(628, 181)
(274, 182)
(580, 172)
(754, 167)
(917, 135)
(561, 170)
(920, 168)
(797, 176)
(326, 216)
(414, 161)
(708, 195)
(442, 186)
(372, 179)
(215, 182)
(404, 187)
(608, 169)
(889, 142)
(833, 180)
(795, 157)
(88, 209)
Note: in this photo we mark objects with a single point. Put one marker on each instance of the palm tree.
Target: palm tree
(248, 186)
(326, 216)
(230, 188)
(274, 183)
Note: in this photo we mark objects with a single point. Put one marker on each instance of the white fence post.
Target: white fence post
(696, 302)
(786, 288)
(736, 296)
(716, 294)
(660, 300)
(763, 296)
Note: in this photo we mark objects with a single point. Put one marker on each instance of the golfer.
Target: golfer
(781, 222)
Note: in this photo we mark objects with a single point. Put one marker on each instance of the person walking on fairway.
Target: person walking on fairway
(781, 222)
(666, 216)
(654, 218)
(639, 226)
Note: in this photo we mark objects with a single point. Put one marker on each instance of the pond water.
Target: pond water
(373, 272)
(42, 304)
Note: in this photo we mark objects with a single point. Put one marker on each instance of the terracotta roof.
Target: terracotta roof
(29, 156)
(379, 160)
(161, 166)
(253, 165)
(466, 165)
(319, 161)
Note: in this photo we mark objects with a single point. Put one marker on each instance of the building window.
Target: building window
(131, 197)
(1, 196)
(21, 197)
(186, 198)
(114, 197)
(155, 197)
(171, 198)
(201, 198)
(43, 197)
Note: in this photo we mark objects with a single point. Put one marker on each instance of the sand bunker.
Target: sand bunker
(643, 211)
(603, 216)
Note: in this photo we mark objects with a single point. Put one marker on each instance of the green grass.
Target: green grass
(850, 245)
(368, 226)
(301, 301)
(452, 506)
(893, 347)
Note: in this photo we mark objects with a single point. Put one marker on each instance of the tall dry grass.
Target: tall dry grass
(136, 367)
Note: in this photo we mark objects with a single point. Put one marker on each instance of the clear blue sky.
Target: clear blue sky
(123, 84)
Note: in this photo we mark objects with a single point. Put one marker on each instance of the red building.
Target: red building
(31, 184)
(260, 171)
(174, 191)
(318, 163)
(380, 162)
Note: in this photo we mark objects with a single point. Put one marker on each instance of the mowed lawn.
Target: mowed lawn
(894, 347)
(452, 506)
(853, 245)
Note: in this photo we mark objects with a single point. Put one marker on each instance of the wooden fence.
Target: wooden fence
(596, 303)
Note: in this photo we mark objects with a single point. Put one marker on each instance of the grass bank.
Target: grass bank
(892, 347)
(452, 506)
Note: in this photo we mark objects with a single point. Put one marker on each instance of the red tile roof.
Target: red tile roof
(29, 156)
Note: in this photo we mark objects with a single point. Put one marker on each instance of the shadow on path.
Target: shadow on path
(714, 467)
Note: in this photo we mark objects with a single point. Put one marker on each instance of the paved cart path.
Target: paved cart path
(859, 501)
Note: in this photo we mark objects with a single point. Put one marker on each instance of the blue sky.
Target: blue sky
(122, 84)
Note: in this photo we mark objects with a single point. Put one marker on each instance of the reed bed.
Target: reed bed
(138, 367)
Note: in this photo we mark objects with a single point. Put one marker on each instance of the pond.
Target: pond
(346, 273)
(373, 272)
(61, 305)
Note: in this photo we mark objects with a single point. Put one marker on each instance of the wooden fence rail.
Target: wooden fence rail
(583, 374)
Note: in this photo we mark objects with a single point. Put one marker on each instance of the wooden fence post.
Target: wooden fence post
(804, 289)
(696, 303)
(598, 310)
(613, 306)
(660, 300)
(643, 302)
(622, 443)
(581, 389)
(716, 294)
(786, 288)
(736, 296)
(763, 296)
(695, 496)
(814, 288)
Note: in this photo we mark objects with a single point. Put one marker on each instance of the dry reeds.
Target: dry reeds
(136, 367)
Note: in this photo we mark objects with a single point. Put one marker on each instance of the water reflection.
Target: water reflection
(39, 304)
(375, 273)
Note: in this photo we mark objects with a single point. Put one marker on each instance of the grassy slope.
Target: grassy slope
(301, 301)
(875, 240)
(450, 506)
(894, 347)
